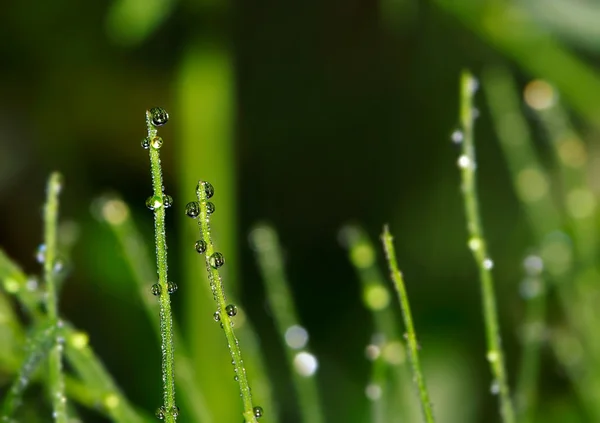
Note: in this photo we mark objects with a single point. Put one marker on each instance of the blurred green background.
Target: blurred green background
(308, 115)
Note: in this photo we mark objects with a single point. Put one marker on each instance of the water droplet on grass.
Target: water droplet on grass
(156, 289)
(40, 254)
(217, 260)
(158, 116)
(296, 337)
(200, 246)
(231, 310)
(192, 209)
(210, 207)
(258, 411)
(171, 287)
(154, 202)
(146, 143)
(160, 413)
(156, 142)
(209, 190)
(457, 136)
(217, 316)
(167, 201)
(488, 263)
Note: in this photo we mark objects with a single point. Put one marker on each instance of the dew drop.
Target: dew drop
(217, 260)
(305, 364)
(40, 254)
(210, 207)
(156, 289)
(373, 391)
(495, 388)
(171, 287)
(192, 209)
(154, 202)
(231, 310)
(217, 316)
(146, 143)
(457, 136)
(464, 162)
(167, 201)
(200, 246)
(236, 378)
(209, 190)
(174, 411)
(160, 413)
(296, 337)
(488, 263)
(475, 244)
(258, 411)
(159, 116)
(156, 142)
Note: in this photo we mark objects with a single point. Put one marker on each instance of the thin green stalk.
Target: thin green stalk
(56, 377)
(268, 253)
(117, 215)
(98, 381)
(156, 117)
(389, 395)
(532, 186)
(38, 346)
(214, 260)
(476, 243)
(411, 336)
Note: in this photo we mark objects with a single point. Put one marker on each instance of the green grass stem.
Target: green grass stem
(411, 336)
(117, 215)
(477, 245)
(390, 374)
(56, 377)
(265, 243)
(225, 311)
(159, 202)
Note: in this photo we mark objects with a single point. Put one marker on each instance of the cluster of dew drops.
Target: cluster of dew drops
(216, 260)
(158, 117)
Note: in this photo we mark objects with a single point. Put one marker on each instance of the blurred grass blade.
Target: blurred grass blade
(130, 22)
(467, 164)
(303, 364)
(411, 336)
(205, 109)
(37, 347)
(390, 380)
(511, 30)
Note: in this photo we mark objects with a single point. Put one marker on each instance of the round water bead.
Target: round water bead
(209, 190)
(174, 411)
(171, 287)
(154, 202)
(156, 289)
(217, 316)
(146, 143)
(200, 246)
(160, 413)
(192, 209)
(217, 260)
(156, 142)
(210, 207)
(231, 310)
(258, 411)
(159, 116)
(167, 201)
